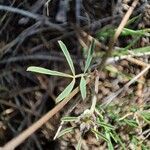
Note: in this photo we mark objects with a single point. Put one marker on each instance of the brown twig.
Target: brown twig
(139, 91)
(27, 32)
(137, 62)
(85, 28)
(110, 98)
(116, 35)
(32, 57)
(140, 85)
(85, 38)
(35, 126)
(31, 15)
(3, 102)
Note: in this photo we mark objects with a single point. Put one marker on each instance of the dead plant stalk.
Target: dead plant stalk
(116, 35)
(12, 144)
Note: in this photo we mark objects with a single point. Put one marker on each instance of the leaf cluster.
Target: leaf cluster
(82, 76)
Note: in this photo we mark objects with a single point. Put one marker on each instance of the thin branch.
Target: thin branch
(85, 28)
(111, 97)
(137, 62)
(27, 32)
(128, 57)
(12, 144)
(4, 102)
(44, 57)
(31, 15)
(112, 60)
(20, 11)
(116, 35)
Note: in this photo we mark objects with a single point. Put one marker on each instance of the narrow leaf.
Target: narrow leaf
(83, 87)
(67, 55)
(113, 137)
(47, 71)
(65, 131)
(89, 57)
(112, 69)
(132, 123)
(66, 91)
(110, 145)
(127, 32)
(119, 140)
(69, 119)
(106, 125)
(100, 135)
(146, 115)
(79, 144)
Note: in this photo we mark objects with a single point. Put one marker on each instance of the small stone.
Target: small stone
(105, 91)
(124, 63)
(120, 68)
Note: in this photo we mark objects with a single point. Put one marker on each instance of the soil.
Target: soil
(33, 41)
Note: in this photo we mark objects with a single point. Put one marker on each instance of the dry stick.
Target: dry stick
(12, 144)
(31, 15)
(67, 111)
(140, 85)
(42, 57)
(110, 98)
(94, 99)
(139, 91)
(117, 33)
(34, 9)
(4, 102)
(90, 39)
(128, 57)
(24, 34)
(137, 62)
(20, 11)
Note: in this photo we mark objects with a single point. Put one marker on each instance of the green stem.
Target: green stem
(80, 75)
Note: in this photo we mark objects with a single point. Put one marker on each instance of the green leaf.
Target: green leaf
(145, 147)
(113, 137)
(65, 131)
(130, 122)
(79, 144)
(106, 125)
(67, 55)
(123, 52)
(105, 33)
(89, 57)
(67, 119)
(83, 87)
(66, 91)
(112, 69)
(47, 71)
(146, 116)
(132, 20)
(126, 32)
(110, 145)
(100, 135)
